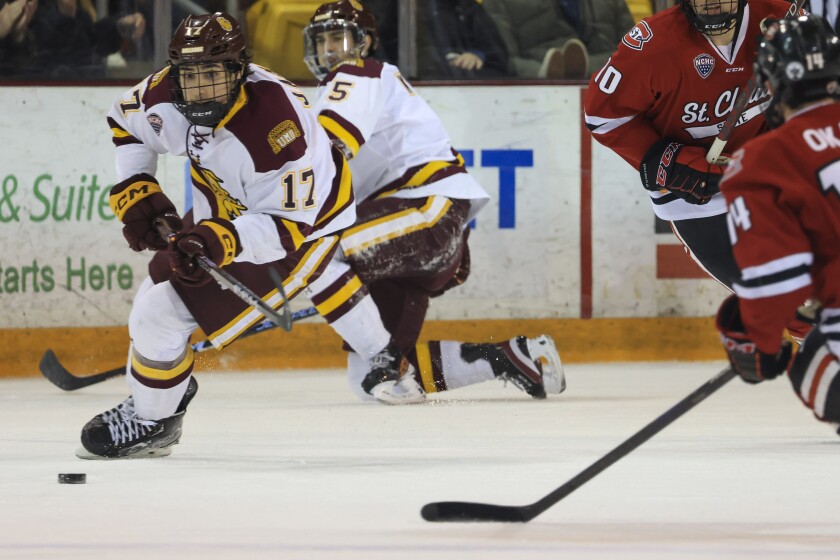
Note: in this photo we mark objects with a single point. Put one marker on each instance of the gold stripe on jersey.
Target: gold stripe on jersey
(312, 261)
(240, 102)
(120, 133)
(295, 234)
(332, 126)
(422, 175)
(344, 294)
(345, 192)
(164, 374)
(359, 238)
(424, 363)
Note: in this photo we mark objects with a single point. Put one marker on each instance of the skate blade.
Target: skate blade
(404, 392)
(147, 453)
(545, 350)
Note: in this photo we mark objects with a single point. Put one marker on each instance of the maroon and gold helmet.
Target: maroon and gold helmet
(207, 51)
(349, 15)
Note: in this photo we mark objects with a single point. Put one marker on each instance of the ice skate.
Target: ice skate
(391, 379)
(531, 364)
(119, 433)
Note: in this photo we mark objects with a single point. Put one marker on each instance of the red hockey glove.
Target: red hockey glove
(682, 170)
(215, 239)
(138, 202)
(747, 360)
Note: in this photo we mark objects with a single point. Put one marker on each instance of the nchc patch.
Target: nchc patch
(282, 135)
(155, 122)
(704, 64)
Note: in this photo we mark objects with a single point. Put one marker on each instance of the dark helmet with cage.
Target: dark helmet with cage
(800, 59)
(713, 17)
(208, 64)
(350, 23)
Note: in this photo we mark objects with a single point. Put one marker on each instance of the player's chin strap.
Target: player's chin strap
(713, 155)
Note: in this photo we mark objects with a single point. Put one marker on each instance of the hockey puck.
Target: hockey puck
(68, 478)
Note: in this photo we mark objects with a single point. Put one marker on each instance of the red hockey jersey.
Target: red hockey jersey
(783, 192)
(666, 79)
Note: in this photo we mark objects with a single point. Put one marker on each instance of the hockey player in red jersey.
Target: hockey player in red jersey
(269, 190)
(783, 193)
(660, 101)
(409, 244)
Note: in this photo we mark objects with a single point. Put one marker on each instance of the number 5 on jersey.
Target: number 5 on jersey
(297, 184)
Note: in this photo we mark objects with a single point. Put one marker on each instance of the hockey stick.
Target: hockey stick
(713, 155)
(468, 511)
(58, 375)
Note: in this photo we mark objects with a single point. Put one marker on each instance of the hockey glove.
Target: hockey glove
(215, 239)
(682, 170)
(747, 360)
(138, 202)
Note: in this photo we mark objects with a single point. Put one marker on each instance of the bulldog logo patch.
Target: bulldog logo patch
(704, 64)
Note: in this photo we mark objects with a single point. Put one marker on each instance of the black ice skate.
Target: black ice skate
(118, 433)
(532, 364)
(391, 378)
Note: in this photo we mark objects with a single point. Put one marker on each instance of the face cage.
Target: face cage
(211, 112)
(329, 60)
(713, 24)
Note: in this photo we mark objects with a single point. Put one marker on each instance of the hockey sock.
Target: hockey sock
(441, 365)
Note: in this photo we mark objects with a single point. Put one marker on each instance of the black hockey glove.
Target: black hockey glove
(215, 239)
(682, 170)
(139, 203)
(753, 365)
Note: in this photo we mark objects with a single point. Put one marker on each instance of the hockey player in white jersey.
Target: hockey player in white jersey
(409, 243)
(269, 190)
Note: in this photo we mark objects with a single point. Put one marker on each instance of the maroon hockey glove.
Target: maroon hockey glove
(215, 239)
(682, 170)
(747, 360)
(138, 202)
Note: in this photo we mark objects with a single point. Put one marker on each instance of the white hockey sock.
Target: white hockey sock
(442, 367)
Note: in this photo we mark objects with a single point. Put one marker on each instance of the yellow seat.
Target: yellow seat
(275, 30)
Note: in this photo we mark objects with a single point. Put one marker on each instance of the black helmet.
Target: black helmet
(344, 14)
(800, 58)
(730, 15)
(208, 39)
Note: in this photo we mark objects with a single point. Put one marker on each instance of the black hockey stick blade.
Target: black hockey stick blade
(59, 376)
(56, 374)
(471, 511)
(468, 511)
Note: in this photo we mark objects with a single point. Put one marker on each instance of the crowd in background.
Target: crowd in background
(455, 39)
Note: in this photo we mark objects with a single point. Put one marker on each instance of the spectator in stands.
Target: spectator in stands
(66, 40)
(559, 38)
(15, 17)
(466, 41)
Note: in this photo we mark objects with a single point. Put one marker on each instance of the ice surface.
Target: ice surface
(290, 465)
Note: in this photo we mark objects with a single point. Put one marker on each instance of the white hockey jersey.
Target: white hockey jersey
(396, 144)
(267, 166)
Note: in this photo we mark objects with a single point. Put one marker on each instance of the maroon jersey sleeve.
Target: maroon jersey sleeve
(620, 95)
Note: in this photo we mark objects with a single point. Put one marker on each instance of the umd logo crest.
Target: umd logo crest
(704, 64)
(282, 135)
